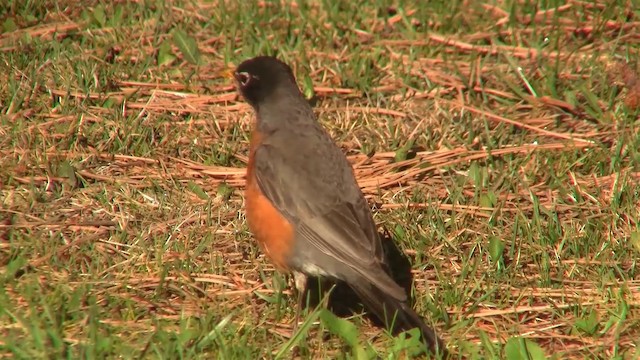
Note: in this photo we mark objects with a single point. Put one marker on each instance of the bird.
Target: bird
(303, 204)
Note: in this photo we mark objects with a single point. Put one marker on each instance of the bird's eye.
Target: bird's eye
(243, 78)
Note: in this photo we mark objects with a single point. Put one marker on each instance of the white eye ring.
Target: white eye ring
(244, 78)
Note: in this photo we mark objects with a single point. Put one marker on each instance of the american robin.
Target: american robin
(303, 204)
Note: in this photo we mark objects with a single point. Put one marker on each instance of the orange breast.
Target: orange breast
(272, 231)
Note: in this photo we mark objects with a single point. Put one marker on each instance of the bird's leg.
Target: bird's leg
(301, 286)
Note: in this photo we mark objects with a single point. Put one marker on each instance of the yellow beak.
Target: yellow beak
(228, 73)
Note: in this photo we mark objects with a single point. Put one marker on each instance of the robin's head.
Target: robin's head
(263, 77)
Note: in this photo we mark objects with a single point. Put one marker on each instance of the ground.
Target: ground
(497, 141)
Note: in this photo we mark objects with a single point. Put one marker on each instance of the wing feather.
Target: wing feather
(324, 202)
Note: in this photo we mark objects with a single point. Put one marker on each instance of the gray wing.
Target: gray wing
(323, 201)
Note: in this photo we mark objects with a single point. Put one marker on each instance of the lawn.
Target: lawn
(497, 141)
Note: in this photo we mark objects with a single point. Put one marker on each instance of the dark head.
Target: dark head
(263, 77)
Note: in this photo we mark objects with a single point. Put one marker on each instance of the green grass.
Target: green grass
(504, 151)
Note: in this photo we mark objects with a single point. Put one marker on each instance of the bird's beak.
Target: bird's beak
(228, 73)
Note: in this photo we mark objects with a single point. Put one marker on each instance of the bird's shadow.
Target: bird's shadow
(343, 301)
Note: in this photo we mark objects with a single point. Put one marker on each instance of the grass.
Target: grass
(498, 141)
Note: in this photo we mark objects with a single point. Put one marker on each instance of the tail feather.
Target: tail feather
(397, 315)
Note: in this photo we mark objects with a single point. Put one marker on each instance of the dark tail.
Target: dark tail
(397, 315)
